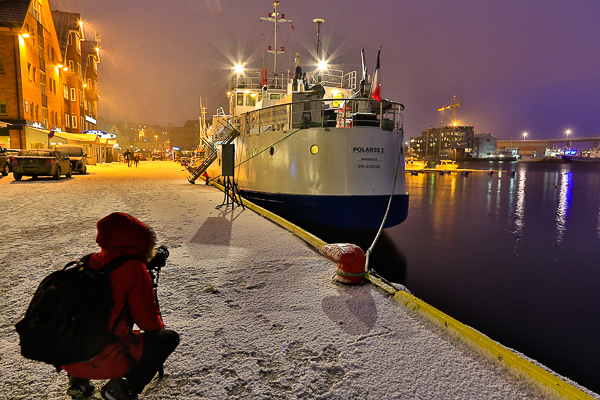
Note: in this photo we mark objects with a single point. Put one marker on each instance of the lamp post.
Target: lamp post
(525, 135)
(568, 132)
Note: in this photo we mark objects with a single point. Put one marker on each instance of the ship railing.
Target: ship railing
(326, 113)
(328, 77)
(333, 78)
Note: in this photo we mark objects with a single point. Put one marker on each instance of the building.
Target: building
(80, 72)
(48, 74)
(484, 146)
(31, 98)
(187, 137)
(449, 141)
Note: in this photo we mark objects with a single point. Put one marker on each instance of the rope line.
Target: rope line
(368, 253)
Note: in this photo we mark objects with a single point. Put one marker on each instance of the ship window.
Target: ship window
(274, 96)
(240, 99)
(272, 150)
(254, 152)
(251, 99)
(314, 149)
(246, 152)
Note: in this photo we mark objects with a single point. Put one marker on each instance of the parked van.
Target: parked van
(76, 156)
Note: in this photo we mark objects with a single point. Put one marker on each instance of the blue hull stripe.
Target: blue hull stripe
(341, 212)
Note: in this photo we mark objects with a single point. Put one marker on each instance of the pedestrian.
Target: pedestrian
(128, 157)
(131, 363)
(136, 159)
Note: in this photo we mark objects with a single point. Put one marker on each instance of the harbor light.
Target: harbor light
(239, 69)
(525, 135)
(323, 65)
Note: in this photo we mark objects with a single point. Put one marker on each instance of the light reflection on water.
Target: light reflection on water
(516, 255)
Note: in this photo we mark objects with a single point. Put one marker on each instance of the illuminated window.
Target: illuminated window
(3, 109)
(73, 94)
(274, 96)
(314, 149)
(239, 99)
(74, 121)
(251, 99)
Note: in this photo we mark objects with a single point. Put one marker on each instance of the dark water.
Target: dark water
(516, 256)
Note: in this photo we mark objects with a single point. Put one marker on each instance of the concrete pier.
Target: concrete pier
(253, 300)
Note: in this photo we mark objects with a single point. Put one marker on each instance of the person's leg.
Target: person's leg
(158, 346)
(79, 387)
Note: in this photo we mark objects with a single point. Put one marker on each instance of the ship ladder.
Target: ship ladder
(196, 171)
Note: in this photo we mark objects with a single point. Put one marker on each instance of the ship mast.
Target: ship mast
(276, 18)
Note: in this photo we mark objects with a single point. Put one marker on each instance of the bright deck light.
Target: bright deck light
(239, 69)
(322, 65)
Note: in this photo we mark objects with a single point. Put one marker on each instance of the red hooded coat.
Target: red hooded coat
(119, 234)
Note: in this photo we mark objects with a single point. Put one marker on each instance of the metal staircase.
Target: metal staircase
(197, 170)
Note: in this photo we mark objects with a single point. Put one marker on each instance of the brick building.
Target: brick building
(30, 80)
(48, 74)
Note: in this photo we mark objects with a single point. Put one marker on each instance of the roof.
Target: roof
(88, 47)
(13, 13)
(79, 137)
(64, 22)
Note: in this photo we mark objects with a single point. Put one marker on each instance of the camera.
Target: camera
(159, 260)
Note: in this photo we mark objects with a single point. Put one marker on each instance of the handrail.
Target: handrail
(327, 113)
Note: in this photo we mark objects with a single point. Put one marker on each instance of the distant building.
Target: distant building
(187, 137)
(447, 141)
(484, 145)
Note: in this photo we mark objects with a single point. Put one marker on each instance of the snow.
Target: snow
(257, 310)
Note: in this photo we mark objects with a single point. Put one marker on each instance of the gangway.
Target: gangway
(197, 171)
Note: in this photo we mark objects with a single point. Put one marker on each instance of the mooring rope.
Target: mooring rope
(368, 253)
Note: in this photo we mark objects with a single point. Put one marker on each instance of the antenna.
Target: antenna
(318, 21)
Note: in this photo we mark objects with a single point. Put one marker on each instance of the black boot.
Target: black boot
(80, 388)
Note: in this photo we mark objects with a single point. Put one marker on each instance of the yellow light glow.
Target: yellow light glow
(65, 69)
(322, 65)
(247, 91)
(228, 94)
(239, 69)
(85, 85)
(26, 35)
(314, 149)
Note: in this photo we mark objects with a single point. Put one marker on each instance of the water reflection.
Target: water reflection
(488, 248)
(564, 201)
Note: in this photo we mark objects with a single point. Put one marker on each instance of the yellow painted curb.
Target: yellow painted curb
(516, 365)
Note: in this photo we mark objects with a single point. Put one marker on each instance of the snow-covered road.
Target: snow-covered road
(257, 311)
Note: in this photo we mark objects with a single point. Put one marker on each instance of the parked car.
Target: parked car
(11, 153)
(76, 156)
(40, 162)
(4, 162)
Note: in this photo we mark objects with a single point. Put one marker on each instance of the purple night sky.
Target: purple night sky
(516, 65)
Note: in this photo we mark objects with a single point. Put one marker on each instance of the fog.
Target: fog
(515, 66)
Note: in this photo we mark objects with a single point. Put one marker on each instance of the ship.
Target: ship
(591, 156)
(315, 147)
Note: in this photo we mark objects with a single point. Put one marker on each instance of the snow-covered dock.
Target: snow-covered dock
(255, 305)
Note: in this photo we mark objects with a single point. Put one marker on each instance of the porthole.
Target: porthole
(254, 152)
(272, 150)
(314, 149)
(246, 152)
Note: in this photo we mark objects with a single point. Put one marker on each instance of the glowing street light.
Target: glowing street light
(525, 135)
(568, 132)
(239, 69)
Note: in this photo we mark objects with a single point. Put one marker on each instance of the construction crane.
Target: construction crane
(452, 105)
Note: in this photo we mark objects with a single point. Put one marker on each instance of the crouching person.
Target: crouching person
(133, 360)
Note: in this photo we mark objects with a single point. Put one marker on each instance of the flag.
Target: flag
(376, 86)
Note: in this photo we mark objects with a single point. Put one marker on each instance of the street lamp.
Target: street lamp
(568, 132)
(525, 135)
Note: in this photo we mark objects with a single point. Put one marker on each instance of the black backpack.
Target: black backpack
(67, 318)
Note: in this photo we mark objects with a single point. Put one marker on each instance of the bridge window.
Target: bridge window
(251, 99)
(240, 99)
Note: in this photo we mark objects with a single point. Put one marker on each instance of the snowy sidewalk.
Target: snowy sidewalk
(258, 313)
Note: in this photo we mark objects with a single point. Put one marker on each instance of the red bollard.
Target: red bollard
(350, 262)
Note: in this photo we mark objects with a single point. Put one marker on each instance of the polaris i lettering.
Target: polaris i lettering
(367, 150)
